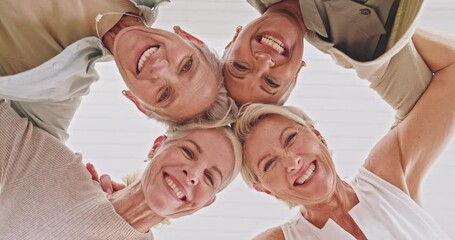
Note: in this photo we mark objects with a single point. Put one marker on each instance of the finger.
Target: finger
(91, 169)
(106, 183)
(117, 186)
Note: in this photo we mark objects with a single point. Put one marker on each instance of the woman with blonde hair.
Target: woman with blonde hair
(47, 193)
(286, 157)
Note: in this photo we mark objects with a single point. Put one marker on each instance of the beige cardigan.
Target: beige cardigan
(46, 192)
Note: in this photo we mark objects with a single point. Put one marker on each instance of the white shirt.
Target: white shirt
(383, 212)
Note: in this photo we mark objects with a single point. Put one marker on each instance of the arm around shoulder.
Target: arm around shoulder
(406, 153)
(274, 233)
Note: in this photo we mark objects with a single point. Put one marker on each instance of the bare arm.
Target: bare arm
(405, 154)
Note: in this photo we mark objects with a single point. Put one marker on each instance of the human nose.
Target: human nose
(292, 163)
(264, 62)
(160, 70)
(191, 176)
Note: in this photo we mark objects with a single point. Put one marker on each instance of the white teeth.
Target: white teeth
(144, 57)
(273, 42)
(309, 172)
(174, 187)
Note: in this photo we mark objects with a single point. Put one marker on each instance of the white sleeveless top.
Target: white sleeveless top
(383, 212)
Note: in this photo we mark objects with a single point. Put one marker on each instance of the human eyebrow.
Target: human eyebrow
(198, 148)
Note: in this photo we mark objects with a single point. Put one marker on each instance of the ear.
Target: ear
(318, 134)
(237, 32)
(187, 36)
(156, 144)
(260, 188)
(133, 99)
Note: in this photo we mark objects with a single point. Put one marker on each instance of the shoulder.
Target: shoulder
(274, 233)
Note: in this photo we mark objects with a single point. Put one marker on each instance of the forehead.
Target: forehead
(215, 146)
(266, 131)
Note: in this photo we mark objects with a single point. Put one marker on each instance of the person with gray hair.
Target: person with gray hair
(48, 55)
(286, 157)
(47, 193)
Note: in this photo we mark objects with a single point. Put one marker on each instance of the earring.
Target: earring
(303, 64)
(133, 99)
(323, 140)
(186, 35)
(237, 31)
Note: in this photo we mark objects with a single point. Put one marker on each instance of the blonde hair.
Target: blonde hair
(221, 112)
(250, 115)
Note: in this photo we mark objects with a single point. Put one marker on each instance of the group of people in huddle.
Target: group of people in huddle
(224, 116)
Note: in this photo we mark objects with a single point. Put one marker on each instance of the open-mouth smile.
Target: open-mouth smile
(145, 56)
(307, 174)
(176, 189)
(273, 43)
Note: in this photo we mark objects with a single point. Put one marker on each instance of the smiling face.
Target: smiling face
(263, 61)
(186, 174)
(165, 71)
(290, 161)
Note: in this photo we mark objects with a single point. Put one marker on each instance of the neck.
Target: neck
(336, 207)
(292, 7)
(130, 204)
(126, 21)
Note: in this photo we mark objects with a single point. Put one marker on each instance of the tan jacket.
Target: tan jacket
(342, 27)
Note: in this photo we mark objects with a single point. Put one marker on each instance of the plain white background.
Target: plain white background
(116, 138)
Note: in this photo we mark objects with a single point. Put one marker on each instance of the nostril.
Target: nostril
(185, 172)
